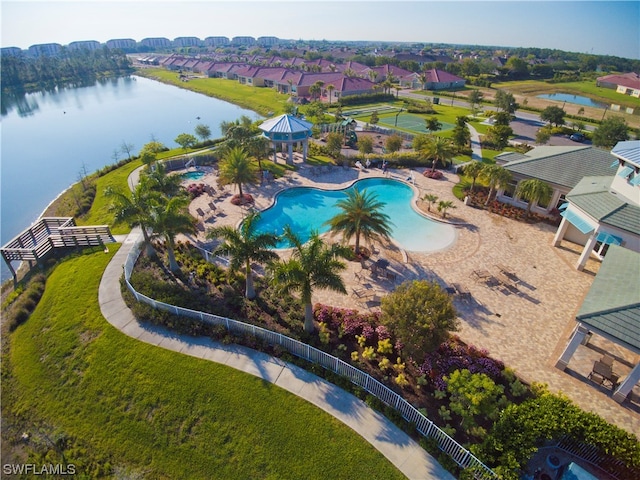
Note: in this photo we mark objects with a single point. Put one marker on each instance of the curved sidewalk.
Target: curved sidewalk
(411, 459)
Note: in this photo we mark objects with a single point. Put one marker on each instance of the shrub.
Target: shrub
(434, 174)
(384, 364)
(368, 353)
(384, 346)
(401, 380)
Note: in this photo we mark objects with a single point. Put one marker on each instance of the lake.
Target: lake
(48, 138)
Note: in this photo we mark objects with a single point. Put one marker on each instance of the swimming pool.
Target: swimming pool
(306, 209)
(195, 175)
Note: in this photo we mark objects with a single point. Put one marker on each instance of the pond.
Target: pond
(49, 138)
(575, 99)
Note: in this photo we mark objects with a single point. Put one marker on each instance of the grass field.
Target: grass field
(261, 100)
(585, 88)
(145, 409)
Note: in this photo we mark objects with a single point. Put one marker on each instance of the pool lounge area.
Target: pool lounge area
(306, 209)
(491, 317)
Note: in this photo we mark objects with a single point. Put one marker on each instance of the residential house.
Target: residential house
(626, 83)
(604, 210)
(560, 167)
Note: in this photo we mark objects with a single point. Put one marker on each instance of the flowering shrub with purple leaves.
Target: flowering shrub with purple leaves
(455, 355)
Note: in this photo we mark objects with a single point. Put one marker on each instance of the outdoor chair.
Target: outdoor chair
(607, 359)
(461, 291)
(359, 292)
(596, 378)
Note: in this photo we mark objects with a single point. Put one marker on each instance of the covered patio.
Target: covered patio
(611, 310)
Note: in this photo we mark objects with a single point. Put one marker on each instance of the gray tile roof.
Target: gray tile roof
(592, 195)
(612, 304)
(563, 166)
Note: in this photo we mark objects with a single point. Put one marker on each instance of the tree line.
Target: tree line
(20, 73)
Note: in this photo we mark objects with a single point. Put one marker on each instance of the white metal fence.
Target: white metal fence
(426, 427)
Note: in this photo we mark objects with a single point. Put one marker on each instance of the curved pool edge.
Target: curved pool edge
(348, 184)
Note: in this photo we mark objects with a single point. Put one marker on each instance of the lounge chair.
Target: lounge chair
(461, 291)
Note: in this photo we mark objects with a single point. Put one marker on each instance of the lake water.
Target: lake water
(49, 137)
(575, 99)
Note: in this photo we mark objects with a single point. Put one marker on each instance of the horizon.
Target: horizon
(595, 27)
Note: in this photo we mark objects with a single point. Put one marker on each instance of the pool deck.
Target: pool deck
(525, 325)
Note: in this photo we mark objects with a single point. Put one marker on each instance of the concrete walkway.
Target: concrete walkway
(394, 444)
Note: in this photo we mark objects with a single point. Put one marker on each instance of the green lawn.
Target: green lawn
(259, 99)
(586, 88)
(168, 415)
(99, 213)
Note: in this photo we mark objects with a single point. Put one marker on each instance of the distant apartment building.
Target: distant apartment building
(268, 41)
(187, 42)
(243, 41)
(216, 41)
(122, 43)
(11, 51)
(158, 42)
(89, 45)
(45, 49)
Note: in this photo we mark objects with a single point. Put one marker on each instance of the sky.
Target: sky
(599, 27)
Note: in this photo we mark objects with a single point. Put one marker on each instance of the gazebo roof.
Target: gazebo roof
(285, 124)
(612, 305)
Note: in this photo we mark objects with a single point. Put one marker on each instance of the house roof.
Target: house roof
(629, 80)
(593, 196)
(612, 304)
(440, 76)
(285, 124)
(564, 166)
(628, 151)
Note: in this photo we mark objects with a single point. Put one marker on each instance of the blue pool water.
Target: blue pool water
(570, 98)
(192, 175)
(307, 209)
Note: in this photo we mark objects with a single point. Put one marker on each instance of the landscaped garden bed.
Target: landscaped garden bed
(458, 386)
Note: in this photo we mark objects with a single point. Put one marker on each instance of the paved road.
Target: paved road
(525, 126)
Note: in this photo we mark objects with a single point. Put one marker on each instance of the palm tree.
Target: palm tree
(423, 79)
(439, 149)
(534, 191)
(444, 205)
(158, 180)
(432, 124)
(133, 208)
(258, 147)
(236, 167)
(168, 219)
(430, 198)
(496, 176)
(361, 215)
(312, 265)
(330, 89)
(244, 246)
(472, 170)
